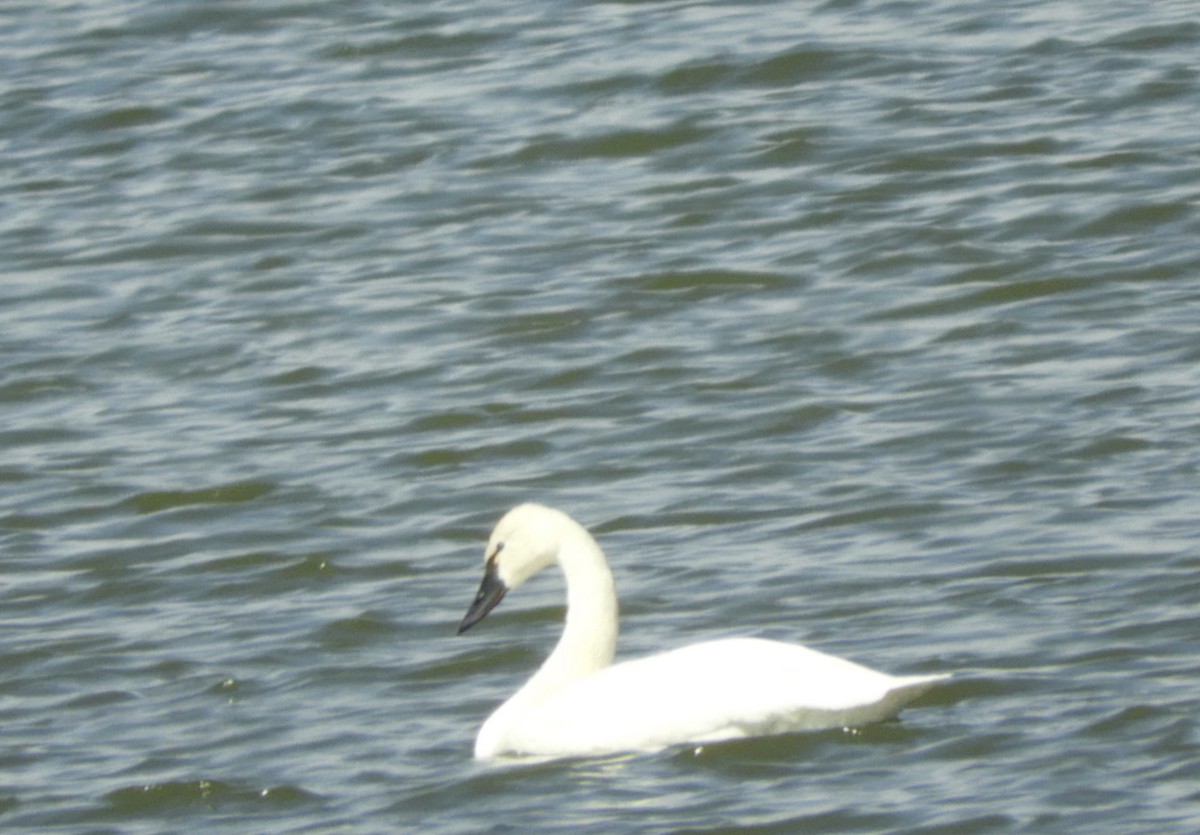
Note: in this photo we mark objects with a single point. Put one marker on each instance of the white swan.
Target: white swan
(580, 704)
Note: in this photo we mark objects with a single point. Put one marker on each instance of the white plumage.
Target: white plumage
(579, 704)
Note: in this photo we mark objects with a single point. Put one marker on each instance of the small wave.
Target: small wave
(159, 500)
(178, 796)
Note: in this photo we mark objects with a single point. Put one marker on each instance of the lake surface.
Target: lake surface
(869, 325)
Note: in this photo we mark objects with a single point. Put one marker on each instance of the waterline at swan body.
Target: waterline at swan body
(579, 703)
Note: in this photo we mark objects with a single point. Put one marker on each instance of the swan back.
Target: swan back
(718, 690)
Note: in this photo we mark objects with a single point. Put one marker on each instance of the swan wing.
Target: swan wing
(708, 692)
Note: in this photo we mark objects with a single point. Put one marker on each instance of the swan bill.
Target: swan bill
(491, 592)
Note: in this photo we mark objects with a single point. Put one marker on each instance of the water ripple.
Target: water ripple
(870, 326)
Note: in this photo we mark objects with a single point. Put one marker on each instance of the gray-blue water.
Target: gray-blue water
(869, 325)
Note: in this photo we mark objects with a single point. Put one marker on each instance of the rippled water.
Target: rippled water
(867, 325)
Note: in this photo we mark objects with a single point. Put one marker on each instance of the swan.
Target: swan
(579, 703)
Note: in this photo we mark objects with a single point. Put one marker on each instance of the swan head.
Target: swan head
(524, 541)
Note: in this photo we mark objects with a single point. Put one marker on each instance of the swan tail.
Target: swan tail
(907, 690)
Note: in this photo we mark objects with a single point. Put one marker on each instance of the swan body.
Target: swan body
(580, 704)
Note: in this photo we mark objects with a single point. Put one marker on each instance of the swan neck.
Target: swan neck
(588, 642)
(589, 637)
(590, 633)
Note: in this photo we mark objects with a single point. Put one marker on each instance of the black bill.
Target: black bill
(491, 592)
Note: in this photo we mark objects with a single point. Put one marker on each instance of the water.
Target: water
(867, 325)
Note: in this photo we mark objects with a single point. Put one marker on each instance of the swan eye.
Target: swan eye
(496, 552)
